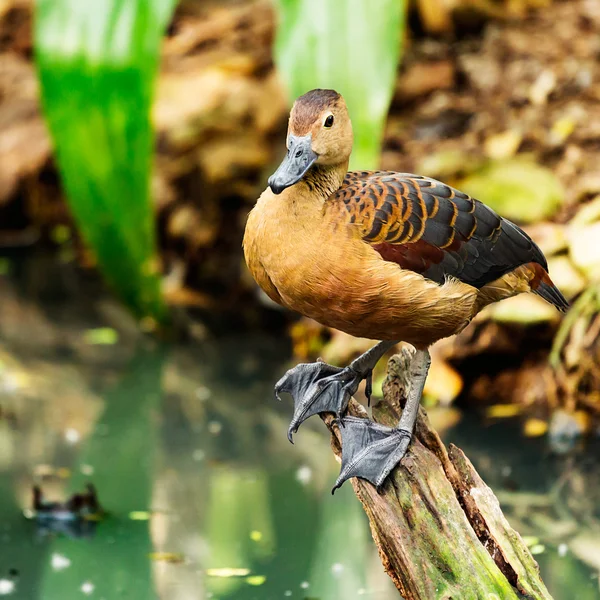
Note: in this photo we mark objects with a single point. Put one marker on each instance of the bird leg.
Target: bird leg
(319, 387)
(371, 450)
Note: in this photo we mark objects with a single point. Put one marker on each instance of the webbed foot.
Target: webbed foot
(316, 388)
(319, 387)
(370, 450)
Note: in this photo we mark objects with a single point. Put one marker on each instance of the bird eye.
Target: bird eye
(328, 121)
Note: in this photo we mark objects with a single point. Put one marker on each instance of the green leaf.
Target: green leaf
(101, 336)
(518, 189)
(349, 46)
(97, 64)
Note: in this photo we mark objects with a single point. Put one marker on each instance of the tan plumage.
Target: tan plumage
(382, 255)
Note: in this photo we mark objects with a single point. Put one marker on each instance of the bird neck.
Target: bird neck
(326, 179)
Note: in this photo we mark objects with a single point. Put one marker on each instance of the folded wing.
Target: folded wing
(429, 227)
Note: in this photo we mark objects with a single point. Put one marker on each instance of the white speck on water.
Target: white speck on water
(287, 593)
(198, 455)
(72, 435)
(337, 569)
(506, 471)
(6, 587)
(203, 393)
(87, 587)
(305, 585)
(87, 470)
(59, 562)
(215, 427)
(562, 549)
(304, 474)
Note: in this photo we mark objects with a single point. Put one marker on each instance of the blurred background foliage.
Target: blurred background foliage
(351, 48)
(161, 122)
(97, 66)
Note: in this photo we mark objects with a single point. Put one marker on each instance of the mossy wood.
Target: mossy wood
(439, 528)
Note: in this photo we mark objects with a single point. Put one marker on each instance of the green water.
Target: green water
(206, 497)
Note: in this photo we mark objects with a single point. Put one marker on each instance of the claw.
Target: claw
(316, 388)
(370, 451)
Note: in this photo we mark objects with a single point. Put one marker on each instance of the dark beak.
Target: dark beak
(297, 162)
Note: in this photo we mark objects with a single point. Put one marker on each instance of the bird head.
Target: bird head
(319, 132)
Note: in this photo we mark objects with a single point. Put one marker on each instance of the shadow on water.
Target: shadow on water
(205, 496)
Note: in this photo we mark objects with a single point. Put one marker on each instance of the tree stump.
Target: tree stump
(439, 528)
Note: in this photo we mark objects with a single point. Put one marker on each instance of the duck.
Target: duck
(382, 255)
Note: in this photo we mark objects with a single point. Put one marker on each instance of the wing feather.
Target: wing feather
(431, 228)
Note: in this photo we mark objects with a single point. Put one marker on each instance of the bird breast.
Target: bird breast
(309, 261)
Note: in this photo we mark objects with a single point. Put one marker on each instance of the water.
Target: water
(206, 497)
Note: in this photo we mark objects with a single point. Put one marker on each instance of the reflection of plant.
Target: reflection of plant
(343, 564)
(348, 46)
(239, 526)
(97, 63)
(120, 454)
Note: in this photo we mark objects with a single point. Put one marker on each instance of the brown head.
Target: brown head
(319, 133)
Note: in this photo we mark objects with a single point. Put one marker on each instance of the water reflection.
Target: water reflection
(262, 523)
(205, 496)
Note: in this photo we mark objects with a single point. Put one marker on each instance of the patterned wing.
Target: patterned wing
(430, 228)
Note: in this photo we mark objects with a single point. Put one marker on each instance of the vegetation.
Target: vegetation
(351, 48)
(97, 64)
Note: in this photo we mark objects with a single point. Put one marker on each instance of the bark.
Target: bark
(439, 528)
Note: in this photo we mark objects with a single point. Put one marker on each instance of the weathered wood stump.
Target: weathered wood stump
(439, 528)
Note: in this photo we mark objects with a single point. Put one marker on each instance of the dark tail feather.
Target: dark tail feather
(541, 284)
(550, 293)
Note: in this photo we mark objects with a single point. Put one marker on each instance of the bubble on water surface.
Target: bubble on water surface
(6, 587)
(215, 427)
(59, 562)
(87, 587)
(304, 474)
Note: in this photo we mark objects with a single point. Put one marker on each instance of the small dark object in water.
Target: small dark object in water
(77, 517)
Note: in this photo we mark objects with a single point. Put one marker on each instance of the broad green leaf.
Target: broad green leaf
(349, 46)
(518, 189)
(97, 64)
